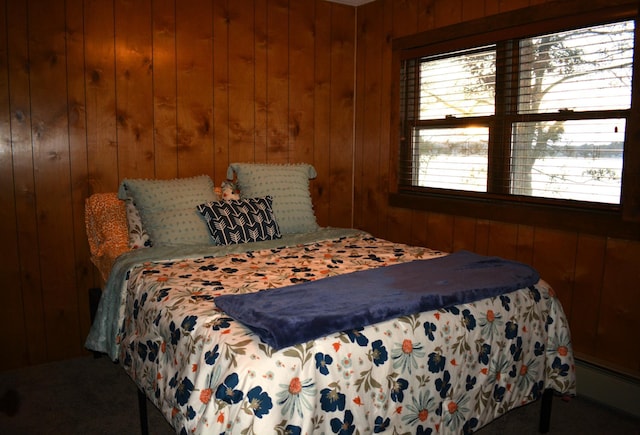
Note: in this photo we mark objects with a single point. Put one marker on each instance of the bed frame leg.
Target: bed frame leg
(142, 406)
(545, 410)
(94, 300)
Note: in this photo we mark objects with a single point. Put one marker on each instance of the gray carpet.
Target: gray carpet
(95, 396)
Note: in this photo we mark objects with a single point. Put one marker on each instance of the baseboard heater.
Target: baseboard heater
(608, 387)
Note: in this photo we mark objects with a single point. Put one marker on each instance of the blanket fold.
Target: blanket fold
(298, 313)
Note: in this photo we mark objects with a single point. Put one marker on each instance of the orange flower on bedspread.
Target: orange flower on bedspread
(205, 395)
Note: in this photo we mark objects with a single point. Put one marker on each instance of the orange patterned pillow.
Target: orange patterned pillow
(107, 231)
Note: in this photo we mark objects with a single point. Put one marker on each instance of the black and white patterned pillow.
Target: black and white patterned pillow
(240, 220)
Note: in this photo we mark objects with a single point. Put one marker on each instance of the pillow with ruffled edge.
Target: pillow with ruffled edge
(238, 221)
(138, 236)
(168, 208)
(287, 184)
(106, 227)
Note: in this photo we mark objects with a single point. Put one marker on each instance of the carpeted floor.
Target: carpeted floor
(95, 396)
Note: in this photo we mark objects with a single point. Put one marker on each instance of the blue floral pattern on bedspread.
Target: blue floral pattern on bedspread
(444, 371)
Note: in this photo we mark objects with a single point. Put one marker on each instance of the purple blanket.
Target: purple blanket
(298, 313)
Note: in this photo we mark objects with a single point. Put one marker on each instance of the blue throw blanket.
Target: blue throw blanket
(298, 313)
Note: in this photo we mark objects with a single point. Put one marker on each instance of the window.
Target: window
(537, 119)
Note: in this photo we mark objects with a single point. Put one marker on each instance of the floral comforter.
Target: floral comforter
(451, 370)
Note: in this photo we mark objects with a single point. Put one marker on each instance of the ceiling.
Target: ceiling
(352, 2)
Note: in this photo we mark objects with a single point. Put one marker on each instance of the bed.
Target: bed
(461, 360)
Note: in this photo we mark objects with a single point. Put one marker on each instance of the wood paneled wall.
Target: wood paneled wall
(94, 91)
(597, 278)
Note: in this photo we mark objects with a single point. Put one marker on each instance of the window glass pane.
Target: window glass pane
(451, 158)
(460, 85)
(576, 160)
(579, 70)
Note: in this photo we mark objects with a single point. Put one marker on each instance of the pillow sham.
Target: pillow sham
(106, 227)
(238, 221)
(138, 236)
(287, 184)
(167, 208)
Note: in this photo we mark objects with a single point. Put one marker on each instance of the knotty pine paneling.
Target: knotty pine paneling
(371, 27)
(440, 231)
(401, 19)
(587, 291)
(503, 240)
(301, 81)
(322, 107)
(134, 82)
(617, 337)
(278, 92)
(11, 319)
(19, 142)
(342, 98)
(100, 99)
(464, 230)
(525, 243)
(247, 78)
(220, 79)
(194, 66)
(554, 256)
(164, 89)
(472, 9)
(84, 270)
(595, 278)
(93, 91)
(51, 160)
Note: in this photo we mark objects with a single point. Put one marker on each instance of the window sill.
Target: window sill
(592, 221)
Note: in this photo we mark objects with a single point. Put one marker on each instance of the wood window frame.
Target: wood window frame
(616, 221)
